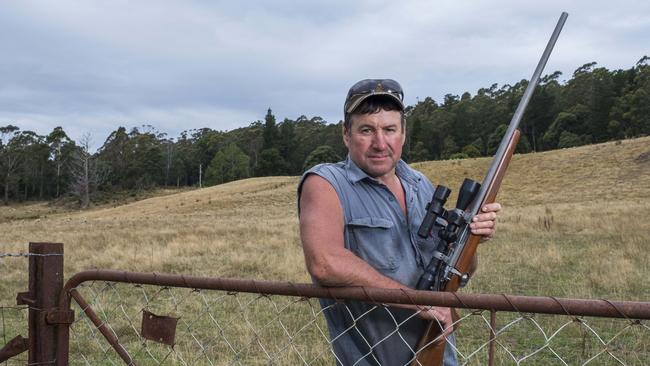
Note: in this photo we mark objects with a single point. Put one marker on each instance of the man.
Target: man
(358, 225)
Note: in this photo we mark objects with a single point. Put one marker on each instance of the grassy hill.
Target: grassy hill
(574, 224)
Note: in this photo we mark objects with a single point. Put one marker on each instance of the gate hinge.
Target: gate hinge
(59, 316)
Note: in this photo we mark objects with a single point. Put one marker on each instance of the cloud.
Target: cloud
(91, 66)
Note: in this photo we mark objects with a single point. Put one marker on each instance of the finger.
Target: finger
(440, 315)
(447, 333)
(483, 232)
(492, 207)
(482, 229)
(483, 225)
(490, 216)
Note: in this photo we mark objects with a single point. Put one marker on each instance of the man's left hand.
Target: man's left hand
(485, 223)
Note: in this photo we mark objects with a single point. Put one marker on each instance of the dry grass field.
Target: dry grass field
(575, 224)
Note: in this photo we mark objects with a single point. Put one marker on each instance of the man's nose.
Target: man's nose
(379, 140)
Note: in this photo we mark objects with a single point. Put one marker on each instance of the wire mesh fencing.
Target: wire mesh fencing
(210, 327)
(13, 333)
(176, 320)
(541, 339)
(13, 317)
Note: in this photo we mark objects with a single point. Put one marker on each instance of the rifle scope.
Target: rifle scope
(431, 278)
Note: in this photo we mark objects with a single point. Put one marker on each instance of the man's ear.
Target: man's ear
(346, 135)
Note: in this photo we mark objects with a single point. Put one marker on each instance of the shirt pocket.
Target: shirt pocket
(373, 239)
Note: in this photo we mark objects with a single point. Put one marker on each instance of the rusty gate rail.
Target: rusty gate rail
(631, 310)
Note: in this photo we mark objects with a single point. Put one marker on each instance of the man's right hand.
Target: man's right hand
(441, 316)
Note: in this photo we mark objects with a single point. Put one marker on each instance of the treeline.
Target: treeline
(595, 105)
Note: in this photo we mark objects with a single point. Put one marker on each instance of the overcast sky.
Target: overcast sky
(91, 66)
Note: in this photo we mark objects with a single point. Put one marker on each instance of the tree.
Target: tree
(270, 131)
(114, 153)
(593, 89)
(542, 109)
(630, 115)
(10, 155)
(573, 121)
(418, 129)
(287, 144)
(321, 154)
(458, 156)
(35, 154)
(568, 139)
(145, 158)
(228, 164)
(419, 153)
(61, 148)
(471, 151)
(523, 146)
(430, 125)
(87, 173)
(495, 139)
(271, 163)
(252, 140)
(206, 143)
(449, 147)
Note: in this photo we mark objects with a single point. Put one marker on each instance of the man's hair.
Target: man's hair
(374, 105)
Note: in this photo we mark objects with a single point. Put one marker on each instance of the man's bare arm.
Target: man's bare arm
(321, 232)
(329, 262)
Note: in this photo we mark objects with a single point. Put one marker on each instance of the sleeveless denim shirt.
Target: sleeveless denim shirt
(377, 231)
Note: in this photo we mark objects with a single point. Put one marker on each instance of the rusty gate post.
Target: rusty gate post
(493, 336)
(45, 285)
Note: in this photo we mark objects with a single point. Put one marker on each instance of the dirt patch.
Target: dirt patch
(643, 157)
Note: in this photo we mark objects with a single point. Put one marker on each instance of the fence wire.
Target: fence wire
(13, 318)
(237, 328)
(214, 327)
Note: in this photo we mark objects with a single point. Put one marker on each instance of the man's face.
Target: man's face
(375, 142)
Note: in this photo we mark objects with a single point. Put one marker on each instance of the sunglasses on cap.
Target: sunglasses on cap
(372, 87)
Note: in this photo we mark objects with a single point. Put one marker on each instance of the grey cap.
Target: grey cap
(367, 88)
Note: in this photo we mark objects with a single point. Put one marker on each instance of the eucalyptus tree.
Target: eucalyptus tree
(61, 148)
(228, 164)
(10, 155)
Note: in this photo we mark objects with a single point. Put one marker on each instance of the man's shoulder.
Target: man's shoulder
(331, 172)
(339, 166)
(325, 170)
(411, 174)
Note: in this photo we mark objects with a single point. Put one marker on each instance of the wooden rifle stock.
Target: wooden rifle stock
(430, 350)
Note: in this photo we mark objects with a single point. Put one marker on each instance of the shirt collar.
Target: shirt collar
(356, 174)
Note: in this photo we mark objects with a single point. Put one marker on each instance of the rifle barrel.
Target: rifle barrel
(519, 113)
(475, 206)
(432, 354)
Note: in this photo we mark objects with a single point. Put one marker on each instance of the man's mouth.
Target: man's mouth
(378, 157)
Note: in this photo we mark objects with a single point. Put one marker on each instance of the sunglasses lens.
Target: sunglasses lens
(377, 85)
(369, 87)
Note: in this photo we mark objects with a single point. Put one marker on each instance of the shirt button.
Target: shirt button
(391, 198)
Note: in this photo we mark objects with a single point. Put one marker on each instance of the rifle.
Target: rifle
(449, 268)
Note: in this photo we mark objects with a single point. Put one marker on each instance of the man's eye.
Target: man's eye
(366, 131)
